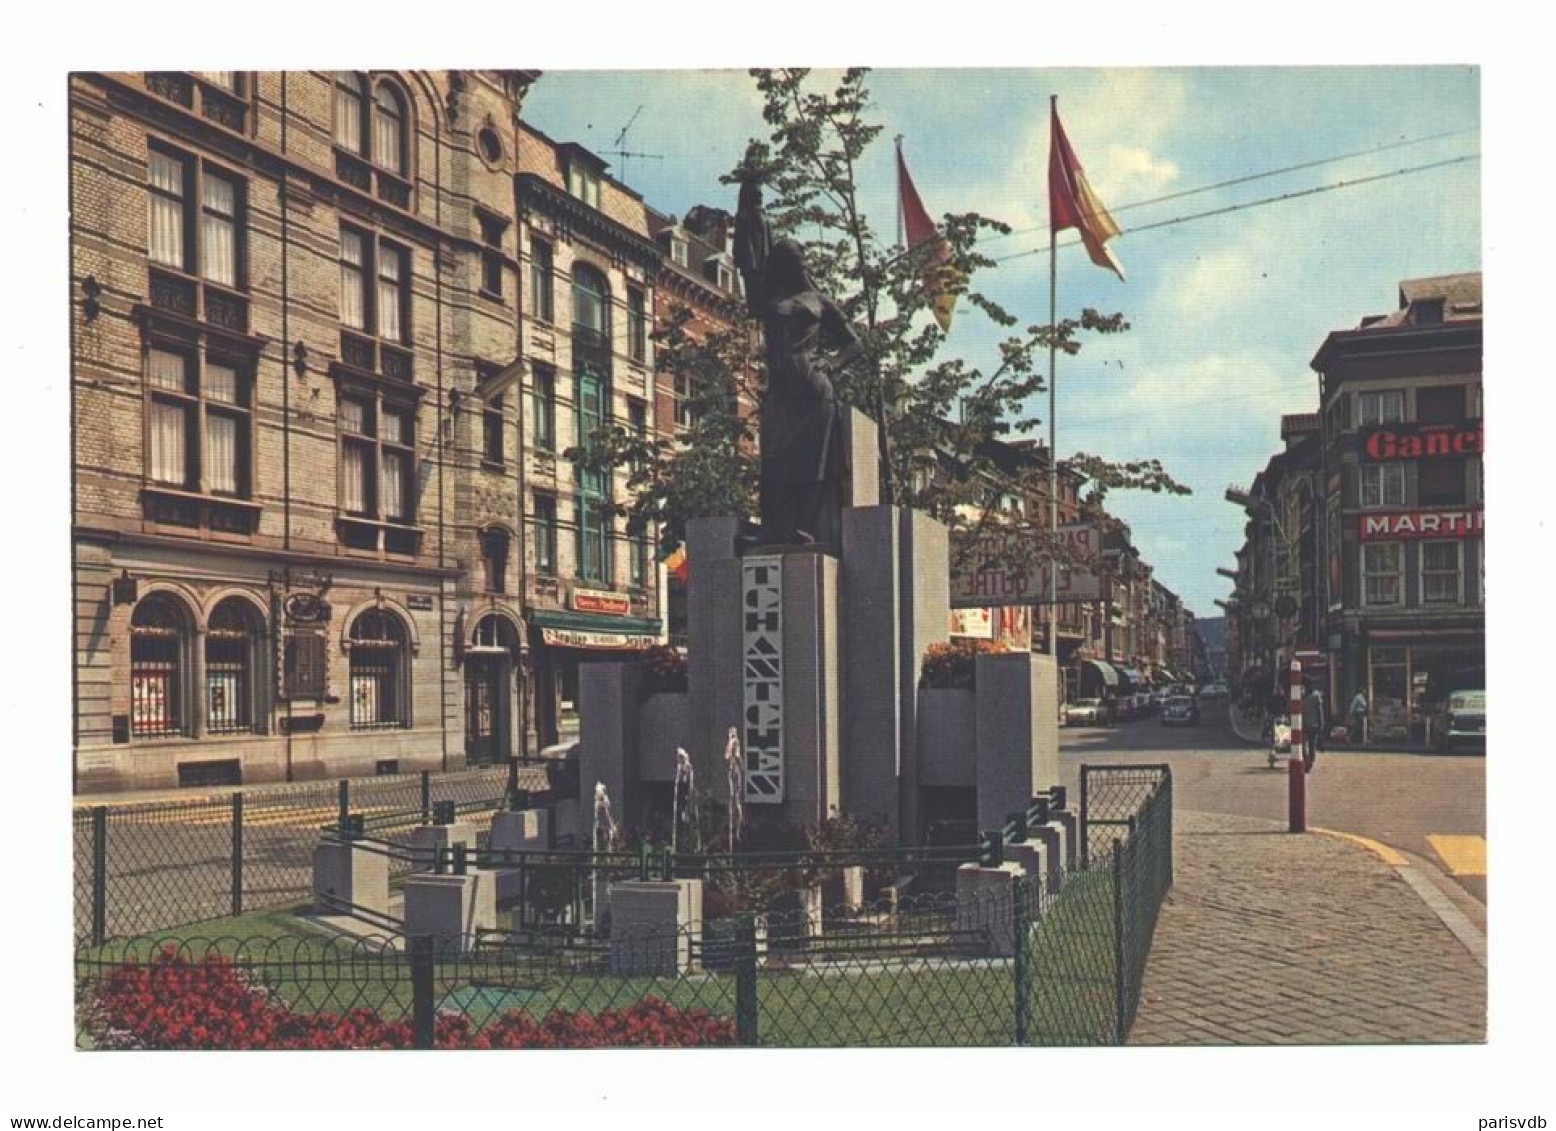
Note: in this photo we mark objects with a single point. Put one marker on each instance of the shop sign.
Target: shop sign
(1424, 441)
(1422, 524)
(975, 623)
(980, 584)
(609, 641)
(598, 601)
(422, 601)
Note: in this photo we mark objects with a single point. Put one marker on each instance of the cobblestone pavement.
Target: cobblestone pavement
(1270, 938)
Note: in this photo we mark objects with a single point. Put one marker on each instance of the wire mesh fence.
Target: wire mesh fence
(1053, 958)
(155, 865)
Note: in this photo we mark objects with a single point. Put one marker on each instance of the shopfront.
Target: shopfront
(561, 641)
(1410, 676)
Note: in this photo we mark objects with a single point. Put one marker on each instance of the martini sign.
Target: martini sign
(987, 579)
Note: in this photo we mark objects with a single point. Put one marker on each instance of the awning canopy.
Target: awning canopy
(1132, 677)
(1107, 671)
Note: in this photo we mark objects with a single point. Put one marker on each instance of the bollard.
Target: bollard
(1296, 765)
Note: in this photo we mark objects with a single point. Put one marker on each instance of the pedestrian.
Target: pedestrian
(1358, 717)
(1312, 727)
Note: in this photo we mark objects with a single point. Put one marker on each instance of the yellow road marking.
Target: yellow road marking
(1381, 851)
(1464, 855)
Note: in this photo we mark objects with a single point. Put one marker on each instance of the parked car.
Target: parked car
(1180, 711)
(1462, 719)
(1160, 696)
(1215, 690)
(1143, 702)
(1086, 712)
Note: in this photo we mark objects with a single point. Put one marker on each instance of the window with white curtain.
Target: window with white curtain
(1383, 485)
(227, 80)
(1383, 573)
(395, 467)
(207, 240)
(170, 443)
(350, 110)
(353, 480)
(1442, 572)
(391, 281)
(353, 288)
(198, 421)
(167, 176)
(378, 458)
(218, 229)
(388, 129)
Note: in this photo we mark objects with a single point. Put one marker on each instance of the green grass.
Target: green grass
(853, 999)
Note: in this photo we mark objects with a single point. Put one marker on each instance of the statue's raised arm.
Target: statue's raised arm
(753, 242)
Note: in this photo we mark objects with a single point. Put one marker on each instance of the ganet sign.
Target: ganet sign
(1424, 441)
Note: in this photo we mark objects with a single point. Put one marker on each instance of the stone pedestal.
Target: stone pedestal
(986, 900)
(348, 877)
(1070, 821)
(845, 887)
(452, 909)
(1038, 863)
(1018, 732)
(652, 924)
(1051, 837)
(425, 840)
(521, 830)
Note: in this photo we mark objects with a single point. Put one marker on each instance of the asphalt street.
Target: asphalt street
(1432, 806)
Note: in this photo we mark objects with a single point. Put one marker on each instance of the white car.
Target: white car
(1213, 691)
(1085, 712)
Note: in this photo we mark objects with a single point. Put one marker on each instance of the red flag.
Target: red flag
(1073, 204)
(940, 276)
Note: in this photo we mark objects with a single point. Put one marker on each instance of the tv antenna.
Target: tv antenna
(625, 153)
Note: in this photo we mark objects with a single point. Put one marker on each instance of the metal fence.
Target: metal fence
(1043, 960)
(153, 866)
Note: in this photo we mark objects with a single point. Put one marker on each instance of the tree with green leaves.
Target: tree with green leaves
(942, 419)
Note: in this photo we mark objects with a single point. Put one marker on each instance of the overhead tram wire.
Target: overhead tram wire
(1250, 177)
(1244, 206)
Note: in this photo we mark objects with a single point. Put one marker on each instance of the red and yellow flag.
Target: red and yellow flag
(1073, 204)
(676, 562)
(940, 274)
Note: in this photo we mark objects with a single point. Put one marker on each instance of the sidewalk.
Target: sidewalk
(1271, 938)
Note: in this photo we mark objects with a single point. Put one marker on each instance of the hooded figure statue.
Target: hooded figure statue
(804, 449)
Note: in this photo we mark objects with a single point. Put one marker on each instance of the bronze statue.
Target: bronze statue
(804, 447)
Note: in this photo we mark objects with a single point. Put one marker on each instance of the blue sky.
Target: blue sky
(1226, 311)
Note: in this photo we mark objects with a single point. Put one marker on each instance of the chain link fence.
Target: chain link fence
(1051, 959)
(152, 866)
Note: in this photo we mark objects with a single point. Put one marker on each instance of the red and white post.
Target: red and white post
(1296, 766)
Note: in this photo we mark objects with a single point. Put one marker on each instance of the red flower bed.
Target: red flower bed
(174, 1003)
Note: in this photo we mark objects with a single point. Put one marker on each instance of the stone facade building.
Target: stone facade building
(304, 473)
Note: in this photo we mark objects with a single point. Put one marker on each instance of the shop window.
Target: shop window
(378, 668)
(159, 641)
(230, 642)
(1383, 573)
(1442, 573)
(1382, 485)
(1441, 482)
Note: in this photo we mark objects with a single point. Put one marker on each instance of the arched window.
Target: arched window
(231, 643)
(591, 302)
(388, 129)
(159, 642)
(378, 671)
(350, 111)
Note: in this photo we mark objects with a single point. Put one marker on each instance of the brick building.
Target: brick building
(592, 588)
(1404, 506)
(304, 467)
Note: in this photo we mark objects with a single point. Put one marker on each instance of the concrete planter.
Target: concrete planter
(947, 736)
